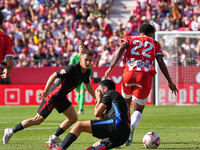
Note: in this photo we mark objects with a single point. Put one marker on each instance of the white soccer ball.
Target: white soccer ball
(151, 140)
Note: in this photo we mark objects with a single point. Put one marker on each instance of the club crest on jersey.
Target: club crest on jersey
(62, 71)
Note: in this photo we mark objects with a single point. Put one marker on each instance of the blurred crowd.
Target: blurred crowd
(48, 32)
(167, 15)
(171, 15)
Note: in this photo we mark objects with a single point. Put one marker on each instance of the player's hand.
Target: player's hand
(173, 88)
(98, 95)
(43, 95)
(107, 73)
(5, 74)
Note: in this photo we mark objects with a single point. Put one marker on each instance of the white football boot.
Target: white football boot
(130, 139)
(54, 139)
(7, 135)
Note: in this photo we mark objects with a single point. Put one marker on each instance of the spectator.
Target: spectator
(7, 11)
(17, 46)
(166, 24)
(194, 24)
(102, 37)
(107, 30)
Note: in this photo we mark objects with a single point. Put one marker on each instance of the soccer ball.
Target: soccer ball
(151, 140)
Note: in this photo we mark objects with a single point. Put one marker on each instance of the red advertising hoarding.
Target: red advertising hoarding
(27, 94)
(27, 83)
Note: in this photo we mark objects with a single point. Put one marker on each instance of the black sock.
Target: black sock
(18, 127)
(59, 131)
(69, 139)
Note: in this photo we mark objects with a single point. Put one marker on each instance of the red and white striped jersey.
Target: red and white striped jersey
(141, 52)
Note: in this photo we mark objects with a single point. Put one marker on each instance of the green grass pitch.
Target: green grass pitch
(178, 127)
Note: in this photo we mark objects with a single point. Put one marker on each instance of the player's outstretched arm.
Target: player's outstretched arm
(50, 81)
(90, 89)
(117, 56)
(10, 64)
(164, 70)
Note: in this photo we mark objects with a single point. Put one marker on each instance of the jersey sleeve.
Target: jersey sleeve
(8, 47)
(158, 49)
(62, 73)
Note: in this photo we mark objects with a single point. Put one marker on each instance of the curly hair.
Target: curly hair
(147, 29)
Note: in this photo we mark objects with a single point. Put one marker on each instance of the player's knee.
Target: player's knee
(37, 121)
(79, 126)
(73, 119)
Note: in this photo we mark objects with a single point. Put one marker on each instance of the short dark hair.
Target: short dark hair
(147, 29)
(108, 83)
(88, 52)
(1, 17)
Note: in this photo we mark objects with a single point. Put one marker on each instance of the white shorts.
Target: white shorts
(135, 99)
(139, 101)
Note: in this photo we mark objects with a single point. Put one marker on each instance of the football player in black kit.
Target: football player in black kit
(55, 97)
(112, 124)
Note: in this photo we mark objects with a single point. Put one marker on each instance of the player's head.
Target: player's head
(1, 17)
(86, 58)
(147, 29)
(104, 86)
(109, 84)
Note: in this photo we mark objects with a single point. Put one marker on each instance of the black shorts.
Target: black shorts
(45, 108)
(61, 103)
(111, 135)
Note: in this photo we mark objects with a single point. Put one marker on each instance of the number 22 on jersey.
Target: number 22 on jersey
(148, 46)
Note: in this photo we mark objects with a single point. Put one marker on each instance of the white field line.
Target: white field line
(37, 128)
(53, 123)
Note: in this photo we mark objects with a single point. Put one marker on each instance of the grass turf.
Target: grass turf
(178, 127)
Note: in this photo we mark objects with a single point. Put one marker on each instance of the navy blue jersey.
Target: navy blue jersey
(69, 78)
(117, 108)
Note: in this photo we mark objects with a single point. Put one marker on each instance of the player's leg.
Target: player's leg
(104, 144)
(78, 96)
(103, 129)
(127, 94)
(140, 93)
(71, 118)
(81, 101)
(135, 120)
(82, 98)
(44, 110)
(84, 126)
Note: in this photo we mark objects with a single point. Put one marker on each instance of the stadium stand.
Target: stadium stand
(48, 32)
